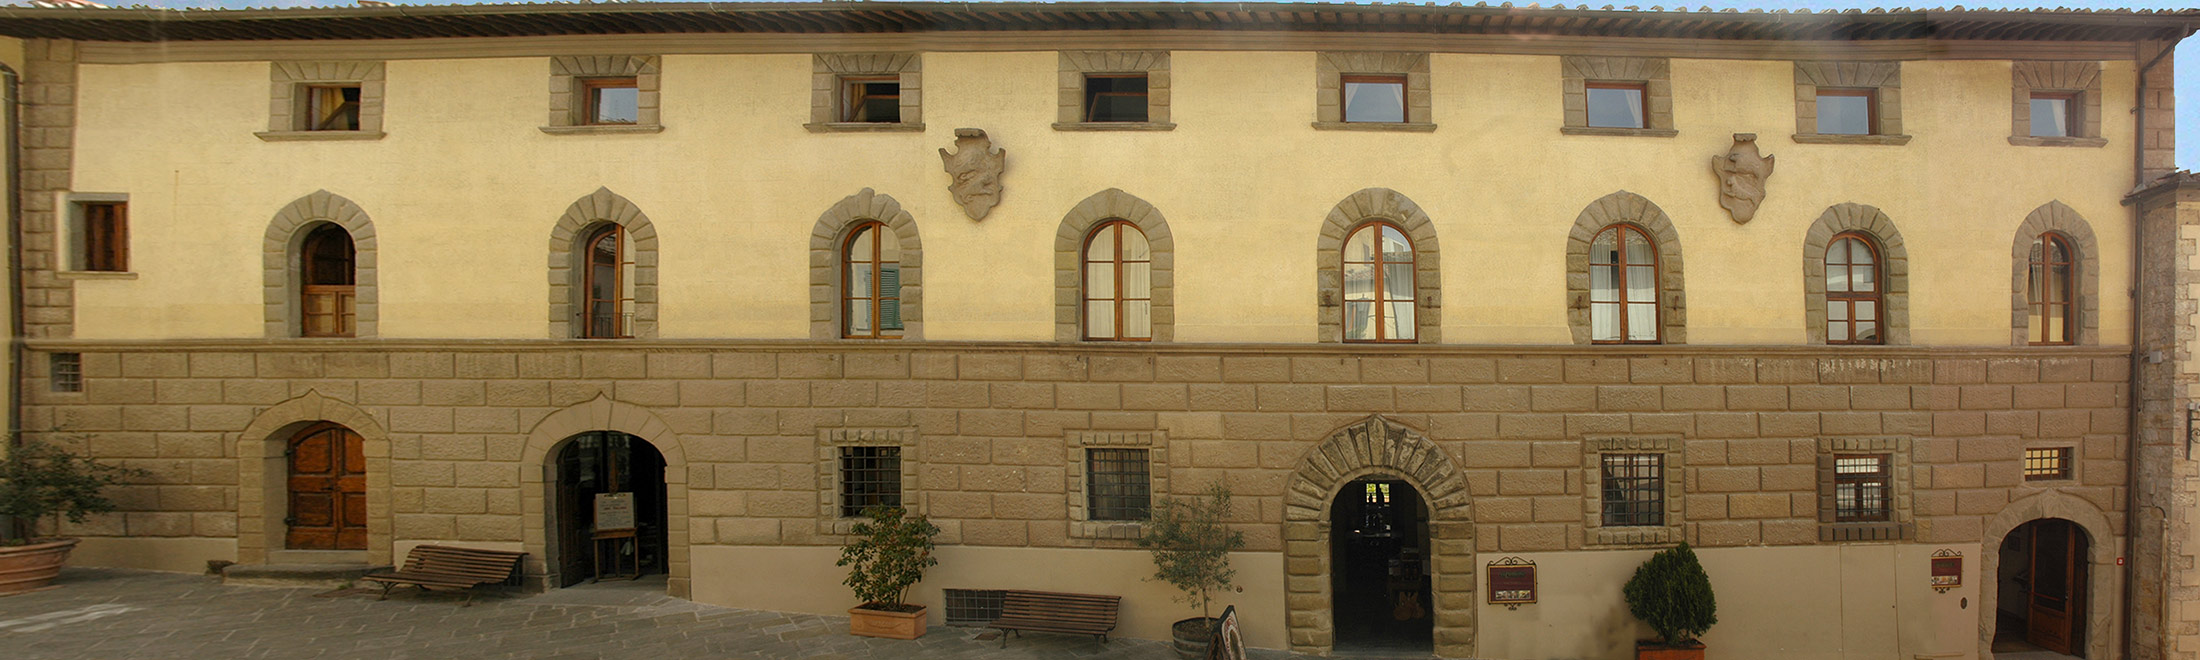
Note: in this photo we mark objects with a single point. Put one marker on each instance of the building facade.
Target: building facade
(1861, 306)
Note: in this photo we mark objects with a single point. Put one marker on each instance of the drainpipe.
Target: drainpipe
(10, 84)
(2138, 360)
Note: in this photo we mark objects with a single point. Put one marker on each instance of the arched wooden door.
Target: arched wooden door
(328, 489)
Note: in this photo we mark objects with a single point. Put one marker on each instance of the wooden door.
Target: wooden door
(576, 478)
(2048, 621)
(328, 490)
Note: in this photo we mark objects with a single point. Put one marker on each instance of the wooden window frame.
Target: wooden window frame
(1642, 100)
(591, 98)
(879, 233)
(589, 301)
(1344, 96)
(1382, 307)
(854, 91)
(345, 300)
(2073, 112)
(1657, 292)
(105, 236)
(1091, 96)
(1120, 297)
(1871, 106)
(2044, 265)
(2050, 464)
(1883, 477)
(1877, 296)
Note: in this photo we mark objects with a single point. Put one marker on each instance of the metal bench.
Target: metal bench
(1054, 612)
(432, 567)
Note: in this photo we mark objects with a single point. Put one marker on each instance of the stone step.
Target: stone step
(297, 575)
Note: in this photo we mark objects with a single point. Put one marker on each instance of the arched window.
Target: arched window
(2049, 295)
(1854, 302)
(1378, 284)
(871, 286)
(1118, 284)
(329, 308)
(604, 284)
(1623, 287)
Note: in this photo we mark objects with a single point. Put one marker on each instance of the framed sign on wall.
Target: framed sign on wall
(1512, 582)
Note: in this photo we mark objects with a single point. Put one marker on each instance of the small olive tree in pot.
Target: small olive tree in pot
(1191, 551)
(887, 555)
(1672, 593)
(39, 481)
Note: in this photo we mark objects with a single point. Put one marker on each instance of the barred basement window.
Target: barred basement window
(869, 477)
(68, 371)
(1119, 484)
(2046, 463)
(1861, 488)
(972, 607)
(1634, 489)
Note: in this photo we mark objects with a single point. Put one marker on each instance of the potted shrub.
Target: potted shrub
(1191, 551)
(886, 555)
(1672, 594)
(40, 481)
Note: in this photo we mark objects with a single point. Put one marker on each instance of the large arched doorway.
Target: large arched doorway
(2043, 584)
(610, 508)
(326, 489)
(1378, 568)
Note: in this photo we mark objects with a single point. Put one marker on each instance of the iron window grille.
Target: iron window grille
(1862, 483)
(869, 477)
(973, 607)
(1120, 484)
(2046, 463)
(1634, 490)
(68, 371)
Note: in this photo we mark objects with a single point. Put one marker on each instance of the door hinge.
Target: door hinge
(290, 522)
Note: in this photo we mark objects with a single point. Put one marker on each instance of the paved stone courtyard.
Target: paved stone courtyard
(113, 613)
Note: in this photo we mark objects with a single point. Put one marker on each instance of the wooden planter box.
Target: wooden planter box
(886, 623)
(32, 567)
(1656, 651)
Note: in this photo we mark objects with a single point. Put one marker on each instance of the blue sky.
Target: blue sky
(2188, 53)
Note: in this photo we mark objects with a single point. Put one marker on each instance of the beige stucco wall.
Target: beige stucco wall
(464, 190)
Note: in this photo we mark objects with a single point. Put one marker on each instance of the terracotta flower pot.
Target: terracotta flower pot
(30, 567)
(1655, 651)
(889, 624)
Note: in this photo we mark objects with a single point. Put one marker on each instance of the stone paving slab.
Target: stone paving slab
(114, 613)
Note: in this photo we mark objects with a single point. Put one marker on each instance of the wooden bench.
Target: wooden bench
(1047, 611)
(432, 567)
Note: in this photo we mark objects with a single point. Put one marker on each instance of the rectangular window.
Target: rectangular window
(2046, 463)
(1115, 97)
(2054, 114)
(1374, 99)
(1117, 484)
(1634, 489)
(67, 370)
(869, 477)
(612, 100)
(875, 100)
(1861, 490)
(1848, 111)
(972, 607)
(104, 235)
(331, 107)
(1616, 104)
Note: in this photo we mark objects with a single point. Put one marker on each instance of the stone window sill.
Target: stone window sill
(1881, 140)
(1618, 132)
(95, 275)
(863, 127)
(1634, 536)
(1405, 127)
(616, 129)
(1114, 126)
(318, 136)
(1127, 530)
(2029, 141)
(1863, 531)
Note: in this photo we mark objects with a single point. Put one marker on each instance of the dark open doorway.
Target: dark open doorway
(599, 463)
(1378, 568)
(2042, 589)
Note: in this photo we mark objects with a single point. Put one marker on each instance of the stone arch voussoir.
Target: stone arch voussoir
(280, 268)
(2105, 594)
(262, 473)
(825, 261)
(2059, 218)
(1069, 247)
(1627, 208)
(602, 206)
(1366, 206)
(1894, 264)
(537, 482)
